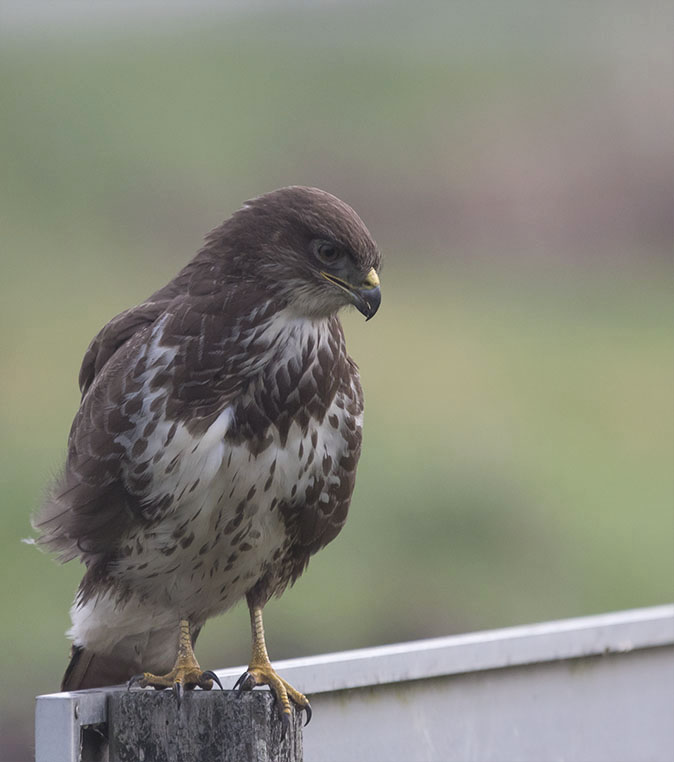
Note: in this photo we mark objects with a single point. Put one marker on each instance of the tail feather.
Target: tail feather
(91, 670)
(88, 669)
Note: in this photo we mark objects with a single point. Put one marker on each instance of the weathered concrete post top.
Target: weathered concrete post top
(218, 726)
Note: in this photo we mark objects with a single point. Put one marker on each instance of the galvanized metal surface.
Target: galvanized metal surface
(616, 708)
(532, 692)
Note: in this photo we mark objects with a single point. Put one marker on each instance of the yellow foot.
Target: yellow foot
(186, 673)
(180, 678)
(264, 674)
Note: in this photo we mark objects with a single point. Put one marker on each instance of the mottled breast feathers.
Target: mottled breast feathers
(180, 365)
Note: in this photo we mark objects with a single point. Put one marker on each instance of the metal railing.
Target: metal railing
(591, 688)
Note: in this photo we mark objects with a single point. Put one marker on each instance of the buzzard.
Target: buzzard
(215, 447)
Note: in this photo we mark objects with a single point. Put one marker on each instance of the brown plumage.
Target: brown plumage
(216, 443)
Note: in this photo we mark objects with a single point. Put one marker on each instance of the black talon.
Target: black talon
(210, 674)
(178, 690)
(245, 683)
(135, 679)
(285, 724)
(307, 709)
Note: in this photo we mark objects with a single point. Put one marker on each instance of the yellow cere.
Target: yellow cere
(371, 280)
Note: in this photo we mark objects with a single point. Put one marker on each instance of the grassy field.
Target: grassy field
(520, 422)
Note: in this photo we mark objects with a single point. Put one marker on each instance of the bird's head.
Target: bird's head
(305, 247)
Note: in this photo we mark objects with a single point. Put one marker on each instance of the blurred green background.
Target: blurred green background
(514, 162)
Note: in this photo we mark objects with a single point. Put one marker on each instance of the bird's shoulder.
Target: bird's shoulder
(113, 336)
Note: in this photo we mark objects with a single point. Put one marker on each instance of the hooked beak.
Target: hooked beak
(365, 296)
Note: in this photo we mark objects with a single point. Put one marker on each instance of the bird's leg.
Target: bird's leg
(261, 672)
(186, 673)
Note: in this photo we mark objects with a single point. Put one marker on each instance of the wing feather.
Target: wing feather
(113, 336)
(178, 351)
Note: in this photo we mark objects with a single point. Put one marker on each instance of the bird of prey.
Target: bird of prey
(216, 443)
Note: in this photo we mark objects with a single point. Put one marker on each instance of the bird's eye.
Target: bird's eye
(327, 253)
